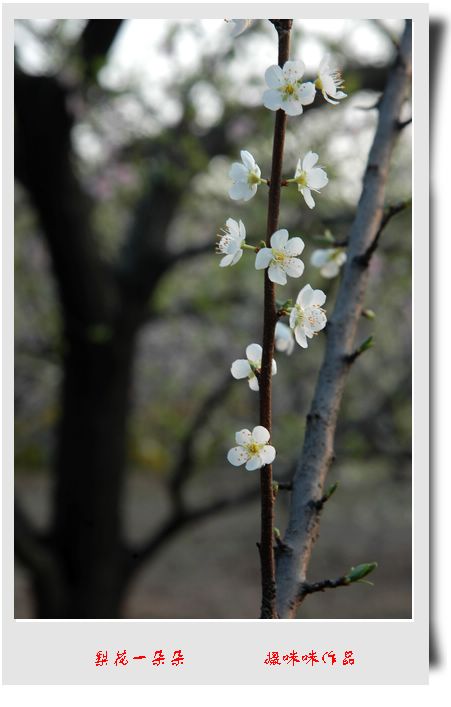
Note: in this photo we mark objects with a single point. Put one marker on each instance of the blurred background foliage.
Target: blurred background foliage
(157, 75)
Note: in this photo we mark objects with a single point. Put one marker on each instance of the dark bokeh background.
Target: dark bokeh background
(150, 116)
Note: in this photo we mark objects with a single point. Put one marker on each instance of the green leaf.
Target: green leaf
(358, 573)
(367, 344)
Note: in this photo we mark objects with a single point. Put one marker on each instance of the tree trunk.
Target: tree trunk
(89, 470)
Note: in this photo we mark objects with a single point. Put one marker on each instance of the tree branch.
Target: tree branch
(184, 466)
(267, 560)
(37, 557)
(183, 518)
(44, 164)
(95, 42)
(317, 453)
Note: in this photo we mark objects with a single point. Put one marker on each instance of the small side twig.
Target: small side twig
(367, 344)
(404, 123)
(389, 212)
(330, 491)
(307, 588)
(355, 574)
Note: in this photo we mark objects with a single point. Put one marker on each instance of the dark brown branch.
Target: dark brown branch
(183, 519)
(317, 453)
(267, 561)
(284, 485)
(184, 466)
(389, 212)
(95, 42)
(306, 588)
(404, 123)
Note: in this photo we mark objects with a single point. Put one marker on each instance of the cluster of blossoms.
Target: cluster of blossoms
(246, 177)
(280, 258)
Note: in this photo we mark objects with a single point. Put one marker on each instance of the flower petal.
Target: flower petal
(237, 257)
(263, 258)
(238, 191)
(294, 267)
(304, 297)
(317, 298)
(260, 434)
(226, 260)
(324, 65)
(240, 368)
(306, 93)
(330, 269)
(254, 463)
(237, 456)
(295, 246)
(300, 337)
(242, 230)
(277, 274)
(309, 161)
(307, 194)
(247, 159)
(272, 99)
(273, 368)
(267, 454)
(292, 106)
(238, 172)
(232, 227)
(253, 383)
(251, 190)
(254, 352)
(274, 76)
(320, 257)
(329, 100)
(317, 178)
(279, 239)
(298, 168)
(293, 71)
(243, 437)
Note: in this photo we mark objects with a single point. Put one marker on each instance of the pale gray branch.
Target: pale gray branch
(317, 453)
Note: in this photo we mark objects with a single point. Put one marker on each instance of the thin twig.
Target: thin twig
(306, 588)
(184, 465)
(268, 605)
(389, 212)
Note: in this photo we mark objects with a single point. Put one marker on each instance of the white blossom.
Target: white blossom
(307, 317)
(247, 367)
(308, 177)
(230, 242)
(281, 258)
(329, 82)
(252, 449)
(284, 340)
(286, 90)
(239, 26)
(329, 260)
(246, 177)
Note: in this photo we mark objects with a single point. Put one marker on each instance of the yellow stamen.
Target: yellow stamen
(253, 448)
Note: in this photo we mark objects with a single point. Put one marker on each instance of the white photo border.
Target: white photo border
(229, 651)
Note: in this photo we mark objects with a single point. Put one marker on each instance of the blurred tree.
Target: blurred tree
(80, 569)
